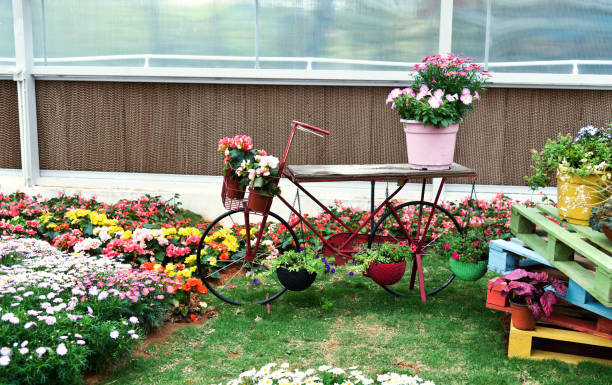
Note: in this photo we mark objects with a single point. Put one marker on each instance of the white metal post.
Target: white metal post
(24, 52)
(487, 36)
(445, 45)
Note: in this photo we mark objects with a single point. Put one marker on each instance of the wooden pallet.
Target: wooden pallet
(565, 314)
(545, 343)
(505, 257)
(585, 257)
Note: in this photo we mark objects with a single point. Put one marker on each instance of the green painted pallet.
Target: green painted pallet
(561, 245)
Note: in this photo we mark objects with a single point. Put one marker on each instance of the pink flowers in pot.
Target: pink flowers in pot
(443, 90)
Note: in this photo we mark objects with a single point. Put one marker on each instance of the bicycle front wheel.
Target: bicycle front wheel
(229, 256)
(408, 223)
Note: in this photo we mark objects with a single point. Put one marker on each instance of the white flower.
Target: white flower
(40, 351)
(114, 334)
(324, 368)
(133, 320)
(134, 336)
(248, 373)
(5, 351)
(24, 351)
(102, 296)
(80, 342)
(61, 349)
(51, 320)
(5, 360)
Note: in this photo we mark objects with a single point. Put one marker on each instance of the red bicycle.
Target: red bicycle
(257, 236)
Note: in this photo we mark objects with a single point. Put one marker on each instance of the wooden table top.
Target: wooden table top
(358, 172)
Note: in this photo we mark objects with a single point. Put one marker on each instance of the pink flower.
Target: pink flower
(466, 99)
(435, 102)
(447, 245)
(438, 93)
(466, 91)
(455, 256)
(476, 95)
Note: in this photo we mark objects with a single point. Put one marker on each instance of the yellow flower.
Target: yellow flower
(169, 231)
(170, 274)
(170, 267)
(45, 217)
(212, 261)
(184, 273)
(193, 269)
(51, 225)
(127, 234)
(190, 259)
(114, 229)
(189, 231)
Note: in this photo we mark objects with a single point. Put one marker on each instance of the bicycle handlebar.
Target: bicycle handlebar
(308, 127)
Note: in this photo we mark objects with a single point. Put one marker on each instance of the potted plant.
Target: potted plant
(239, 155)
(384, 263)
(297, 270)
(443, 91)
(583, 166)
(601, 218)
(263, 177)
(467, 253)
(529, 299)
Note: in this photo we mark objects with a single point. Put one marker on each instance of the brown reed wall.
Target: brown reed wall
(10, 152)
(174, 128)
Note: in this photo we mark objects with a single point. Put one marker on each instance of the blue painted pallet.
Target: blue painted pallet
(505, 257)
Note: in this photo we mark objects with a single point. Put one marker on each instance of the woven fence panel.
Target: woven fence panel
(174, 128)
(10, 152)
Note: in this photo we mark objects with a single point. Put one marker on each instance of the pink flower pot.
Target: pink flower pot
(430, 148)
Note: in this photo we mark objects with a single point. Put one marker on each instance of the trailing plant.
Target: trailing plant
(524, 287)
(471, 247)
(381, 253)
(443, 90)
(307, 259)
(589, 153)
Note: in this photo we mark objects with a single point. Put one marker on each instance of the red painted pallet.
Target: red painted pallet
(565, 315)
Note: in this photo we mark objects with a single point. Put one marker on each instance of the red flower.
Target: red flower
(455, 255)
(475, 244)
(447, 245)
(193, 317)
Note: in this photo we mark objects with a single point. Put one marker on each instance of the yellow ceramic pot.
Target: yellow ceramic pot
(576, 197)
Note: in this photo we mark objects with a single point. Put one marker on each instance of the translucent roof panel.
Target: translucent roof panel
(555, 31)
(7, 43)
(76, 32)
(347, 32)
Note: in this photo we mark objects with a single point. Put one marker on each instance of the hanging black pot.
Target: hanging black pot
(295, 280)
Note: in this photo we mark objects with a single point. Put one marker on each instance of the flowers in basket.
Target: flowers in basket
(443, 90)
(467, 253)
(239, 156)
(263, 177)
(384, 263)
(297, 270)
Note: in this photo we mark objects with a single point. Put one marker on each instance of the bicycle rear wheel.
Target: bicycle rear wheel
(408, 226)
(229, 256)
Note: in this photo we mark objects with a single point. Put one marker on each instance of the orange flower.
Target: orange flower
(186, 287)
(202, 289)
(149, 265)
(224, 256)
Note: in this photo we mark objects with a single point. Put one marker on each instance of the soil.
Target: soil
(226, 274)
(156, 335)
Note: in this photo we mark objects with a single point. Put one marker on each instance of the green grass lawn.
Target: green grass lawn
(451, 339)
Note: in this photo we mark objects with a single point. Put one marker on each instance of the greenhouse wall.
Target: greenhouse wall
(174, 128)
(10, 153)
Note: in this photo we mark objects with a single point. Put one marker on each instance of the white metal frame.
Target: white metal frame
(28, 130)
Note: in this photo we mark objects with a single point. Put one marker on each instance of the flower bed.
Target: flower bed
(324, 375)
(62, 315)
